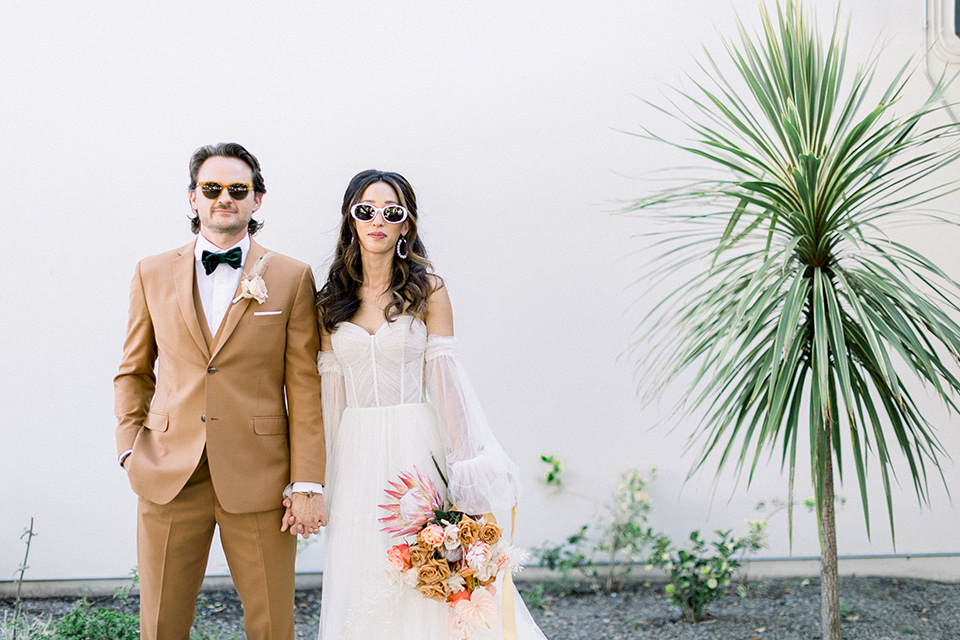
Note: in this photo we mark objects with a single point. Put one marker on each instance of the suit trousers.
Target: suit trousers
(173, 542)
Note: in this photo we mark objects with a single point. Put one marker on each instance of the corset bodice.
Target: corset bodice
(385, 368)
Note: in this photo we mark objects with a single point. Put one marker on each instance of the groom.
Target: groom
(218, 408)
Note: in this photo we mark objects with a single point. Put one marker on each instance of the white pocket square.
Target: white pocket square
(267, 313)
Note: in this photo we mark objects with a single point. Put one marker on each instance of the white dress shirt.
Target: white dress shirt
(218, 289)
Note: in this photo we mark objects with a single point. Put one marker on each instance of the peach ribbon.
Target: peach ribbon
(508, 613)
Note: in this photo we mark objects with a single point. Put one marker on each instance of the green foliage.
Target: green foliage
(699, 573)
(88, 623)
(14, 627)
(29, 534)
(620, 539)
(845, 609)
(123, 593)
(554, 475)
(568, 556)
(535, 599)
(796, 314)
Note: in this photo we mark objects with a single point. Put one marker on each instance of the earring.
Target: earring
(402, 248)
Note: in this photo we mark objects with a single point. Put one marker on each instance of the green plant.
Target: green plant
(698, 574)
(207, 631)
(568, 556)
(625, 534)
(535, 599)
(88, 623)
(29, 534)
(123, 593)
(622, 537)
(20, 628)
(554, 474)
(845, 609)
(796, 301)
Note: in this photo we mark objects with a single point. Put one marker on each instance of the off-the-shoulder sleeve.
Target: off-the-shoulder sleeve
(333, 396)
(481, 477)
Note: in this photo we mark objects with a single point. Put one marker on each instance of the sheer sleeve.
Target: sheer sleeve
(333, 396)
(481, 477)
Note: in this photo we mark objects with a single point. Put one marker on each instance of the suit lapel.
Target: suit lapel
(238, 308)
(183, 277)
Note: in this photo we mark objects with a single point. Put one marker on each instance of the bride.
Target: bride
(396, 401)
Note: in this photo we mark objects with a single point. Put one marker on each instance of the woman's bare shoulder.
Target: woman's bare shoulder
(439, 316)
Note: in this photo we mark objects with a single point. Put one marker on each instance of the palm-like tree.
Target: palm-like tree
(800, 303)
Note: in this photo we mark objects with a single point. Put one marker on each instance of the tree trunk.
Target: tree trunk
(829, 587)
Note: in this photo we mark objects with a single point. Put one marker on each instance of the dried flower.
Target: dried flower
(434, 571)
(436, 591)
(252, 285)
(419, 555)
(489, 533)
(469, 530)
(478, 554)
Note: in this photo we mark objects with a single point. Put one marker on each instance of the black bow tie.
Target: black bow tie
(210, 260)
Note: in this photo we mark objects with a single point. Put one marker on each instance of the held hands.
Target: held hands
(304, 514)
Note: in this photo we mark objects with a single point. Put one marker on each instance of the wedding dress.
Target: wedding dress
(398, 401)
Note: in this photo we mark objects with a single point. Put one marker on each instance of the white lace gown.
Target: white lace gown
(394, 401)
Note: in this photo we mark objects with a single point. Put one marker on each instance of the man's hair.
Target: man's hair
(226, 150)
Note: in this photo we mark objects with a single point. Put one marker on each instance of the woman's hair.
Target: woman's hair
(411, 283)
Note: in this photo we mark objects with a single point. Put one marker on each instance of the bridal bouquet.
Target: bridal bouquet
(454, 558)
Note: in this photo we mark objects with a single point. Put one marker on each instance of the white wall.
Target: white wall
(507, 118)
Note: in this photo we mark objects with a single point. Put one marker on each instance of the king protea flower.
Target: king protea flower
(416, 500)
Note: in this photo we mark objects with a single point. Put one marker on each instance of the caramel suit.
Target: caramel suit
(219, 425)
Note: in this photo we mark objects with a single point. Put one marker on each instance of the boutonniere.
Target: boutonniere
(251, 284)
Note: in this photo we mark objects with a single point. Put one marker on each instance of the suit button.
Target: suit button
(211, 370)
(203, 418)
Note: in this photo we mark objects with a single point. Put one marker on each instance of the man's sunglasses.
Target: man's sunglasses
(392, 213)
(237, 190)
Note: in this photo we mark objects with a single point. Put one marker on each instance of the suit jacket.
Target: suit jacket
(252, 398)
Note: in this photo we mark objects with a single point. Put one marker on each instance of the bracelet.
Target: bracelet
(123, 457)
(308, 494)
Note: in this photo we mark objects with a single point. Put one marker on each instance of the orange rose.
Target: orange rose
(419, 556)
(469, 530)
(430, 536)
(399, 556)
(490, 533)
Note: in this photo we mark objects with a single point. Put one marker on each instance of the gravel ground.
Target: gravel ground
(874, 609)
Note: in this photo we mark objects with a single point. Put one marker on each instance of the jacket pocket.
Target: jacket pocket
(157, 421)
(270, 426)
(279, 318)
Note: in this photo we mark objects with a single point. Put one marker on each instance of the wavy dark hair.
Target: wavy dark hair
(226, 150)
(412, 281)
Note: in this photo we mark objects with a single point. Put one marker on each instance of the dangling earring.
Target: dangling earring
(402, 248)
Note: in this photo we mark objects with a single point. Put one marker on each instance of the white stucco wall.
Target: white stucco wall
(506, 117)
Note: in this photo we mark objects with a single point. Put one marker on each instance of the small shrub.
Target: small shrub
(19, 628)
(697, 575)
(535, 599)
(88, 623)
(606, 558)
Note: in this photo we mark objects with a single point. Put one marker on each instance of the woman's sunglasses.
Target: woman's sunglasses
(237, 190)
(392, 213)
